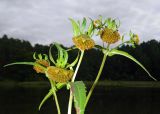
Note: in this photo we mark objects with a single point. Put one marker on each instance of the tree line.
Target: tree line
(116, 67)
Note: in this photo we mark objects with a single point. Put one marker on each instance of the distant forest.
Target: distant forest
(116, 67)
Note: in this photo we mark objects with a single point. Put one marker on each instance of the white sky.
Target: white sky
(46, 21)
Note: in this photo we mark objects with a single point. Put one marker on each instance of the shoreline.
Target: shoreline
(134, 84)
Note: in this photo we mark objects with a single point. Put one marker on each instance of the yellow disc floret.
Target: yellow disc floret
(39, 69)
(83, 42)
(58, 74)
(109, 36)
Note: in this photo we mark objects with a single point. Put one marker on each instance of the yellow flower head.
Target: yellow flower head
(59, 74)
(83, 42)
(62, 71)
(82, 34)
(109, 36)
(108, 30)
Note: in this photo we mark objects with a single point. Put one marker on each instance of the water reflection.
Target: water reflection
(19, 100)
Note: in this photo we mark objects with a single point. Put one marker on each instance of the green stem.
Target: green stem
(74, 76)
(55, 96)
(126, 42)
(96, 80)
(72, 48)
(78, 65)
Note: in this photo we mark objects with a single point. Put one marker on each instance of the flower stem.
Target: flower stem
(78, 65)
(96, 80)
(74, 76)
(55, 96)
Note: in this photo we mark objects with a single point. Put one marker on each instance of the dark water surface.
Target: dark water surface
(20, 100)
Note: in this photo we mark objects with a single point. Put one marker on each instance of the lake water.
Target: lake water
(20, 100)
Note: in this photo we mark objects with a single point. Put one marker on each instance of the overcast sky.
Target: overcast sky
(46, 21)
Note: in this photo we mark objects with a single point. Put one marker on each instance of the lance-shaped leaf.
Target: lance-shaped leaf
(65, 58)
(34, 56)
(60, 85)
(40, 56)
(76, 29)
(61, 59)
(118, 52)
(48, 95)
(45, 56)
(73, 63)
(83, 24)
(20, 63)
(99, 47)
(90, 29)
(60, 53)
(72, 48)
(50, 55)
(79, 92)
(24, 63)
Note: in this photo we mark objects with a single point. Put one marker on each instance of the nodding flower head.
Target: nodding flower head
(41, 60)
(59, 74)
(109, 36)
(108, 30)
(83, 42)
(62, 71)
(82, 35)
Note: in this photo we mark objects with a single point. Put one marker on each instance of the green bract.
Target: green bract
(112, 24)
(62, 59)
(109, 23)
(79, 28)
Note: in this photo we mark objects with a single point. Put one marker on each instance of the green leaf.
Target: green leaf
(48, 95)
(20, 63)
(122, 38)
(98, 47)
(79, 92)
(90, 29)
(131, 34)
(45, 56)
(65, 59)
(34, 56)
(76, 29)
(105, 22)
(118, 23)
(100, 18)
(78, 23)
(40, 56)
(118, 52)
(74, 62)
(50, 55)
(60, 54)
(25, 63)
(60, 85)
(72, 48)
(84, 24)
